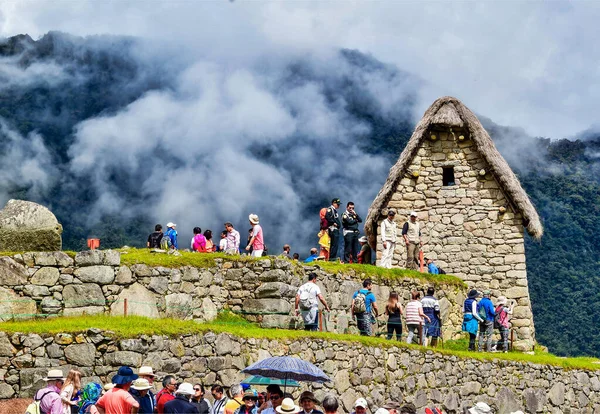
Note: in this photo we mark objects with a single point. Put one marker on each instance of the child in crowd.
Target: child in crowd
(69, 391)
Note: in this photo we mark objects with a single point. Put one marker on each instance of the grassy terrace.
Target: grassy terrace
(133, 326)
(133, 256)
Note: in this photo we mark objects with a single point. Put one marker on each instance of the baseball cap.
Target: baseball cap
(361, 402)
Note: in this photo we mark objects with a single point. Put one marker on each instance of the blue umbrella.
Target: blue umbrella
(258, 380)
(286, 368)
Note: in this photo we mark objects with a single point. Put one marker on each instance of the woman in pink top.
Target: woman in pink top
(199, 241)
(413, 313)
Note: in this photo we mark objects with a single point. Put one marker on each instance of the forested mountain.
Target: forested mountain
(113, 140)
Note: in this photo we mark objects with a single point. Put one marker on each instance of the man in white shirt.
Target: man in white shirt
(388, 238)
(223, 241)
(233, 239)
(220, 399)
(306, 300)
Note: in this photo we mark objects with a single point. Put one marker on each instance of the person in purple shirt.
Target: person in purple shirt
(49, 397)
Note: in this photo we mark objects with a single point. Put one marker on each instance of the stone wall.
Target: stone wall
(95, 282)
(463, 227)
(413, 375)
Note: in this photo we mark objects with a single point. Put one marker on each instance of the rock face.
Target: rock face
(13, 306)
(27, 226)
(419, 376)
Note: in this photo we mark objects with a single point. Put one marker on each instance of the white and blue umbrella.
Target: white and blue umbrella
(287, 368)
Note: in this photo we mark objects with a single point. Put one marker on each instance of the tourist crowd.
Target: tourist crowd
(332, 225)
(422, 316)
(130, 393)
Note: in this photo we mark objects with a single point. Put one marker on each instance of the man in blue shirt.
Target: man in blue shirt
(486, 328)
(432, 267)
(313, 255)
(363, 306)
(172, 234)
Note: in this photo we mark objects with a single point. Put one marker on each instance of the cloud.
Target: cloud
(28, 167)
(504, 60)
(223, 143)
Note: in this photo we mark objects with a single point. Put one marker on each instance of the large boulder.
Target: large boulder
(140, 301)
(13, 306)
(27, 226)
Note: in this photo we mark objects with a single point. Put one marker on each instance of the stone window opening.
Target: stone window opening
(448, 176)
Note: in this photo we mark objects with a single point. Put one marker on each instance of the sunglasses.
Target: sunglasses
(275, 397)
(196, 389)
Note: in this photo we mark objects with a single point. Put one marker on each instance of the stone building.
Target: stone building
(472, 208)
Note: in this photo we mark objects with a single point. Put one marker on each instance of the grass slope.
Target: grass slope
(134, 326)
(375, 272)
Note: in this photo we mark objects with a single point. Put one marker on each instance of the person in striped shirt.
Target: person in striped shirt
(414, 316)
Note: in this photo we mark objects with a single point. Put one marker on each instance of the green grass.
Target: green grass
(131, 256)
(134, 326)
(69, 253)
(375, 272)
(203, 260)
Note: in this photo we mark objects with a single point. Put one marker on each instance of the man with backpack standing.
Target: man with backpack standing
(486, 311)
(350, 220)
(307, 304)
(334, 223)
(48, 398)
(363, 302)
(501, 322)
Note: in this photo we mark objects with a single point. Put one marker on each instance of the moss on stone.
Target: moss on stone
(135, 326)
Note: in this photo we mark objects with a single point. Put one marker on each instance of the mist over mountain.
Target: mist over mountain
(115, 136)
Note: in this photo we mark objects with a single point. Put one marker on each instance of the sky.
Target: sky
(529, 64)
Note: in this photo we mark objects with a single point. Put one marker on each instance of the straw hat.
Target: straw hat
(141, 384)
(185, 388)
(288, 407)
(54, 375)
(146, 371)
(501, 301)
(253, 218)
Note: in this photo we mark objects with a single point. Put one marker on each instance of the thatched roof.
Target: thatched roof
(448, 111)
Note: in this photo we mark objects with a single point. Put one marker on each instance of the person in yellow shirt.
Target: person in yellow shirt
(237, 399)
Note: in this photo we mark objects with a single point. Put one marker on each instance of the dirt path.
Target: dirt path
(14, 406)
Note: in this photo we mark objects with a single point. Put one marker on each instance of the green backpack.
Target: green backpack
(481, 311)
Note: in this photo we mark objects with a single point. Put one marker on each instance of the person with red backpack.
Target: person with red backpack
(501, 322)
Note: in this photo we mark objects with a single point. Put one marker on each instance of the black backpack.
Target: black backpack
(155, 240)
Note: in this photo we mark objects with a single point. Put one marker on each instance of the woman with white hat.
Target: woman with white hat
(181, 403)
(501, 320)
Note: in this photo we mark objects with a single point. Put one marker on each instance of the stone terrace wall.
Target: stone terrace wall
(462, 226)
(264, 291)
(422, 377)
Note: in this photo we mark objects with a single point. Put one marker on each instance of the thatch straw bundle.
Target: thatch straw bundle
(450, 112)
